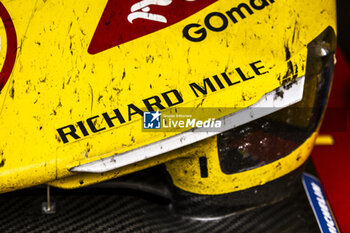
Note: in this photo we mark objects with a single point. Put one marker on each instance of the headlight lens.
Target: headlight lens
(276, 135)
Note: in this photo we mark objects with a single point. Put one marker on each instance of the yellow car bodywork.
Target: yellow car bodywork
(56, 82)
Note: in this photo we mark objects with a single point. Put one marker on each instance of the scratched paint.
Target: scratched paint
(55, 81)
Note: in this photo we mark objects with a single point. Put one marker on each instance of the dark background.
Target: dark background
(332, 162)
(344, 26)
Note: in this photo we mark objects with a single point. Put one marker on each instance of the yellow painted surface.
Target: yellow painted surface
(185, 172)
(56, 82)
(324, 140)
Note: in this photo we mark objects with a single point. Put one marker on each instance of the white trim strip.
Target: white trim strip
(269, 103)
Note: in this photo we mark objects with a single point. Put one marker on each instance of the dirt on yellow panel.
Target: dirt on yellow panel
(77, 75)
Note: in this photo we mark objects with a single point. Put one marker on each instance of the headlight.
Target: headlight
(260, 162)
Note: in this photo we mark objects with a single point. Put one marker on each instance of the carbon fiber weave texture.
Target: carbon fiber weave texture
(127, 211)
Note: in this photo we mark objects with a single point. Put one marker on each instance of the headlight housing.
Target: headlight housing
(260, 162)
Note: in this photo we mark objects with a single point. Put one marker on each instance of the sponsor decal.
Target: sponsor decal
(165, 100)
(319, 203)
(8, 46)
(198, 32)
(123, 21)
